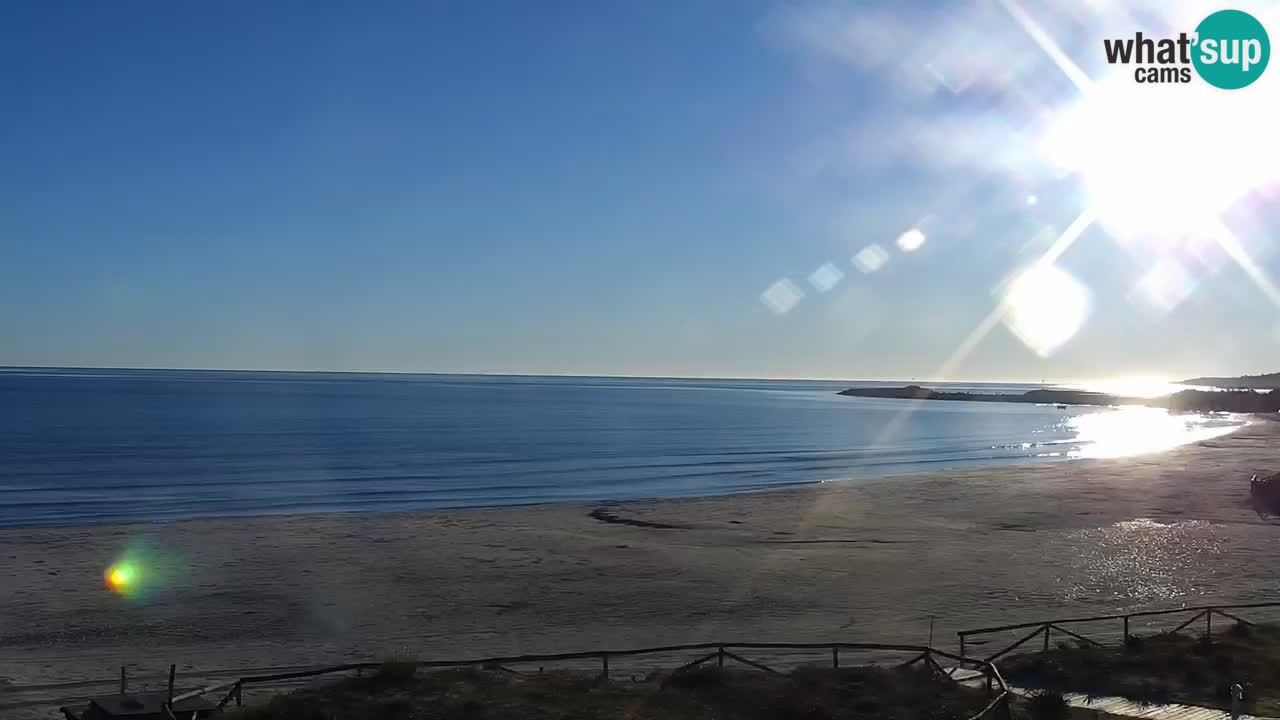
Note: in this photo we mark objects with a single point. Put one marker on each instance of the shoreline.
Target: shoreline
(964, 466)
(859, 561)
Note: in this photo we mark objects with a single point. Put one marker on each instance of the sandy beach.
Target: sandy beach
(867, 560)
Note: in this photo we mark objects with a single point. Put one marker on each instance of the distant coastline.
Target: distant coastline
(1232, 401)
(1266, 381)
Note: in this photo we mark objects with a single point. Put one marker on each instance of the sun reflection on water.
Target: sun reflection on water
(1136, 430)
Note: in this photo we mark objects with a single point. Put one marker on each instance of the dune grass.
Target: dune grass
(867, 693)
(1164, 668)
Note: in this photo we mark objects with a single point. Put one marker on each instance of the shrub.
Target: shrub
(397, 669)
(1046, 705)
(697, 678)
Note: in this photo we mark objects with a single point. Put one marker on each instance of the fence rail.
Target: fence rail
(232, 690)
(1045, 628)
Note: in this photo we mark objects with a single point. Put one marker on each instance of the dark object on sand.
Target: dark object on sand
(1265, 492)
(141, 706)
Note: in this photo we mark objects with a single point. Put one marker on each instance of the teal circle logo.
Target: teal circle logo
(1231, 49)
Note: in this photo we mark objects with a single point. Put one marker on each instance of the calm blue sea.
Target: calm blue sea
(89, 446)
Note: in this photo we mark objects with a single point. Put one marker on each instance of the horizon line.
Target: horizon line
(5, 368)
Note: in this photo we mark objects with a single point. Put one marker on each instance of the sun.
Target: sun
(1162, 161)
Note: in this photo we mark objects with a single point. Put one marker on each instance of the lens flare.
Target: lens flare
(123, 578)
(782, 296)
(142, 570)
(1046, 308)
(911, 240)
(870, 258)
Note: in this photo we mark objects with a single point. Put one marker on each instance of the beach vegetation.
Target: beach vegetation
(1163, 668)
(867, 693)
(397, 667)
(1047, 705)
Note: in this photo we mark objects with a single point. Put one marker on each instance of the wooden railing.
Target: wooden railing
(1044, 629)
(996, 709)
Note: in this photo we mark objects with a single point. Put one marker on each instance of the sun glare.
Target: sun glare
(1137, 387)
(1162, 161)
(1140, 430)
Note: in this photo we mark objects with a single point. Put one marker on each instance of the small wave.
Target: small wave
(1029, 445)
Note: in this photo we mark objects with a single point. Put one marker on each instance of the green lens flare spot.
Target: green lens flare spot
(122, 578)
(142, 569)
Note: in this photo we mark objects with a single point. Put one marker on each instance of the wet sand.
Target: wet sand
(857, 561)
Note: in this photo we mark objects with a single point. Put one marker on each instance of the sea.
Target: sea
(80, 446)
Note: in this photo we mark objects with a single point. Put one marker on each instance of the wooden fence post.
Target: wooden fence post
(1046, 637)
(123, 685)
(1126, 629)
(1208, 625)
(962, 646)
(172, 669)
(835, 657)
(720, 657)
(604, 660)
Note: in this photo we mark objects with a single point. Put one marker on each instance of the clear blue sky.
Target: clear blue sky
(560, 187)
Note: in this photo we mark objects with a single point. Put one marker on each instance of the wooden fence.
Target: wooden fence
(1044, 629)
(997, 707)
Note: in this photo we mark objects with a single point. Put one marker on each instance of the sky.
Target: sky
(750, 189)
